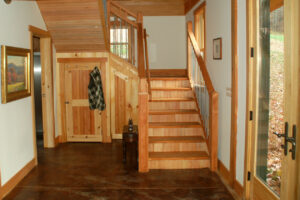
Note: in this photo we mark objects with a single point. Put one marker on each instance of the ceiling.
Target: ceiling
(74, 25)
(154, 7)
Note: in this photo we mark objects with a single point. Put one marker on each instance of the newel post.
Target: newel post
(213, 127)
(143, 125)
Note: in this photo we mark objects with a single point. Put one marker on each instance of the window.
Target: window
(119, 44)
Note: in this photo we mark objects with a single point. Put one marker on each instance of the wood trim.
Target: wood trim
(274, 4)
(234, 91)
(38, 32)
(81, 60)
(250, 16)
(202, 8)
(224, 172)
(32, 102)
(13, 182)
(104, 28)
(57, 140)
(225, 175)
(189, 4)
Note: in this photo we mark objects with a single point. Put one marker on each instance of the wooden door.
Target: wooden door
(47, 93)
(83, 124)
(275, 97)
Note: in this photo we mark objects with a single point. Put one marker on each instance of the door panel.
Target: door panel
(83, 124)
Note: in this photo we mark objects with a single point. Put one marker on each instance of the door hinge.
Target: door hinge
(251, 115)
(249, 176)
(252, 52)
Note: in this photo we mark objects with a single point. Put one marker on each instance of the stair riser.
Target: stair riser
(169, 147)
(172, 94)
(169, 83)
(176, 132)
(175, 118)
(178, 164)
(172, 105)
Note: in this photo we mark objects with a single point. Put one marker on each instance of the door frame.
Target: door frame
(37, 32)
(201, 8)
(252, 23)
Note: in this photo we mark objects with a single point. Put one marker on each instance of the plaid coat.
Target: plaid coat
(96, 95)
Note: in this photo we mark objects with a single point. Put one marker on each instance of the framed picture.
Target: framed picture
(217, 54)
(15, 73)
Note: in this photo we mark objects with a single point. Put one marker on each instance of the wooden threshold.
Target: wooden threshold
(172, 112)
(174, 125)
(184, 155)
(171, 99)
(172, 89)
(177, 139)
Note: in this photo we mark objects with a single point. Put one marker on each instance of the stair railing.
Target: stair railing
(207, 97)
(123, 24)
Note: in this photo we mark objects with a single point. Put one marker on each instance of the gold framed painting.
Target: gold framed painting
(15, 73)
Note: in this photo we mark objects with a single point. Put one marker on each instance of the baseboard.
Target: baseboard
(13, 182)
(57, 140)
(225, 174)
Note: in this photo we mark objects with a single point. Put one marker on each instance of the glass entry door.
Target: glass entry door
(274, 155)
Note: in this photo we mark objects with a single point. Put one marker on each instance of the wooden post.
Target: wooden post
(143, 125)
(213, 127)
(140, 44)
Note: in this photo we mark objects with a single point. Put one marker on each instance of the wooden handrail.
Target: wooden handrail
(115, 4)
(213, 101)
(140, 47)
(200, 60)
(147, 63)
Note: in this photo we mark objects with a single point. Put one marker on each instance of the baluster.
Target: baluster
(115, 35)
(120, 39)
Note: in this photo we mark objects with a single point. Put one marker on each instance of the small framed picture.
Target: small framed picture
(217, 54)
(15, 73)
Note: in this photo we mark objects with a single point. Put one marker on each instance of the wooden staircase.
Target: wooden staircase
(176, 136)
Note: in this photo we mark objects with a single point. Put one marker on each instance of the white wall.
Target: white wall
(16, 139)
(166, 43)
(218, 24)
(242, 90)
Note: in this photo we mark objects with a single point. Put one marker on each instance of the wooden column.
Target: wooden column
(143, 125)
(213, 127)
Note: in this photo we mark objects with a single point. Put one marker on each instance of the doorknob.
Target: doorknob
(288, 139)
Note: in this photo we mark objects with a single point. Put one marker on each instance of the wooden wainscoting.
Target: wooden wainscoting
(124, 94)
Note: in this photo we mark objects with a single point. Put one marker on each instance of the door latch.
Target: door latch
(66, 102)
(292, 140)
(288, 139)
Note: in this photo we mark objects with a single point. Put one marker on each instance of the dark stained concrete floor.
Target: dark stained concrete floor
(84, 171)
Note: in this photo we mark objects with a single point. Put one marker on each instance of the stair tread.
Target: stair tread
(173, 111)
(174, 124)
(183, 155)
(168, 78)
(171, 99)
(171, 89)
(176, 139)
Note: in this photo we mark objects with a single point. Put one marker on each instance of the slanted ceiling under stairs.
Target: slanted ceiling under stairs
(74, 25)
